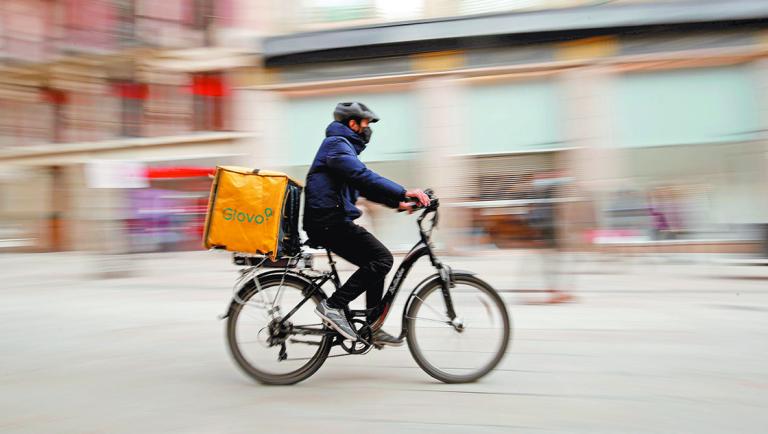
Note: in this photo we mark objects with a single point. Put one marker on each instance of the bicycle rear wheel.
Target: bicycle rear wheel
(256, 341)
(463, 350)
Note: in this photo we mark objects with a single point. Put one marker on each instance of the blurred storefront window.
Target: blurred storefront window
(170, 214)
(56, 100)
(690, 106)
(695, 192)
(26, 209)
(513, 131)
(89, 24)
(173, 23)
(25, 118)
(132, 97)
(209, 91)
(125, 21)
(169, 109)
(394, 139)
(515, 116)
(691, 159)
(25, 25)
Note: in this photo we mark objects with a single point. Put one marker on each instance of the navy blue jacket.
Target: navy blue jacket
(337, 177)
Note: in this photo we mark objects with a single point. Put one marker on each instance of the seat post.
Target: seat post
(332, 263)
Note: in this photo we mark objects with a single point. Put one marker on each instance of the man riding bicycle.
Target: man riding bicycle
(335, 180)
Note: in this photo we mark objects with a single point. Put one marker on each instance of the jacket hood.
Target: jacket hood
(337, 129)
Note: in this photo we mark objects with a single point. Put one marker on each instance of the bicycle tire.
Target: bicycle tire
(263, 377)
(416, 351)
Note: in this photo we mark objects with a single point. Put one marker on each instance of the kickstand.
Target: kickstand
(283, 354)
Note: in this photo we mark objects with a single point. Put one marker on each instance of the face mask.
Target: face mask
(365, 134)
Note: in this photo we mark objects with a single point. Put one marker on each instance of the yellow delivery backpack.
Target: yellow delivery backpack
(253, 211)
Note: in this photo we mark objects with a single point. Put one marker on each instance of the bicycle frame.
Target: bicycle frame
(380, 312)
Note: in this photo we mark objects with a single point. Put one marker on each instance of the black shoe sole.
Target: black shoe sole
(389, 344)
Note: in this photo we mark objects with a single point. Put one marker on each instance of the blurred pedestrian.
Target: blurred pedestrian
(659, 220)
(543, 216)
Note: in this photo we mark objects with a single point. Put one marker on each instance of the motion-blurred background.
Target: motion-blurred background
(652, 114)
(594, 152)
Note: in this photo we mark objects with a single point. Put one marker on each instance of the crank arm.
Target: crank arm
(299, 341)
(302, 330)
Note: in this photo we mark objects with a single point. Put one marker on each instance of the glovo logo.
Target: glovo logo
(231, 214)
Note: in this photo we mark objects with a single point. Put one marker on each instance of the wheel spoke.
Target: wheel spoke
(262, 294)
(279, 291)
(430, 319)
(432, 309)
(252, 315)
(261, 311)
(250, 342)
(472, 344)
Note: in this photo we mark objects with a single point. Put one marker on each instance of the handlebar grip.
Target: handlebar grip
(430, 194)
(433, 202)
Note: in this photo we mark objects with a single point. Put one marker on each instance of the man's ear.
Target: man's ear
(351, 123)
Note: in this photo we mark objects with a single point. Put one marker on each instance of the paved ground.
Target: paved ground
(652, 347)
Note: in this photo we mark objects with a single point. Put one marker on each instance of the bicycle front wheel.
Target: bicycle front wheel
(464, 349)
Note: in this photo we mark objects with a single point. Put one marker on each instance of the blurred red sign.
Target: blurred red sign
(179, 172)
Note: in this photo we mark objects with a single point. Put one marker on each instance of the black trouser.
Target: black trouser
(361, 248)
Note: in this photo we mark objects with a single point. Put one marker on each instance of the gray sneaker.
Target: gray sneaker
(380, 337)
(336, 319)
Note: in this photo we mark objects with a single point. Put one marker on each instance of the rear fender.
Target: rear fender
(252, 278)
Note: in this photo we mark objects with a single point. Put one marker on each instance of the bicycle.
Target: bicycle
(439, 307)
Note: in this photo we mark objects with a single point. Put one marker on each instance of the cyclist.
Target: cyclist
(335, 180)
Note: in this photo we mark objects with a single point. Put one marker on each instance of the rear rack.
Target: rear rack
(251, 260)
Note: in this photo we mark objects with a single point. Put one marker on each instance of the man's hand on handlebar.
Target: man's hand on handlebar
(414, 199)
(421, 198)
(407, 206)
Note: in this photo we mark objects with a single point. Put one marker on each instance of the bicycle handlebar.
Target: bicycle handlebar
(434, 202)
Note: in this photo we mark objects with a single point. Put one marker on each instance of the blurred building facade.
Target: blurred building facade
(87, 83)
(654, 110)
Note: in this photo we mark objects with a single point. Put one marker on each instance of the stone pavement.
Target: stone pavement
(653, 346)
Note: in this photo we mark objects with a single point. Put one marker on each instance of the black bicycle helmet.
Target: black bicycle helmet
(353, 110)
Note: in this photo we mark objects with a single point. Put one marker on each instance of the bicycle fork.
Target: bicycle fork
(446, 283)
